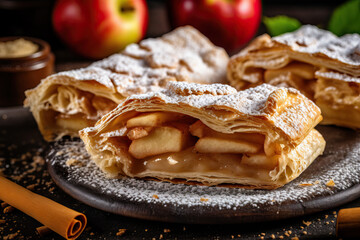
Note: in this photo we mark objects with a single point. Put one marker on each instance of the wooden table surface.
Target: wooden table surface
(22, 150)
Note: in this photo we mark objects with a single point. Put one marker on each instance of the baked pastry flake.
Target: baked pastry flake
(310, 60)
(68, 101)
(262, 137)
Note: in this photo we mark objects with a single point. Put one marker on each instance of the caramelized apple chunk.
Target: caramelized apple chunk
(260, 160)
(303, 70)
(222, 145)
(160, 140)
(73, 123)
(138, 132)
(152, 119)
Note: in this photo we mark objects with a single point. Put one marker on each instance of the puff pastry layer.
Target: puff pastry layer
(322, 66)
(262, 137)
(69, 101)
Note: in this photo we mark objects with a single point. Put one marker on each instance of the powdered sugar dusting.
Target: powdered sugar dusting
(252, 101)
(94, 73)
(340, 163)
(310, 39)
(337, 76)
(181, 55)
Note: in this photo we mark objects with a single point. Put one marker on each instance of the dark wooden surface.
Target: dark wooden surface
(21, 144)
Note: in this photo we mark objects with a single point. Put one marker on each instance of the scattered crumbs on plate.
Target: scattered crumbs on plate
(305, 184)
(71, 162)
(330, 183)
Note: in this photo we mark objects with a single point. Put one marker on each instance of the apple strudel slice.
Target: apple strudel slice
(261, 138)
(68, 101)
(322, 66)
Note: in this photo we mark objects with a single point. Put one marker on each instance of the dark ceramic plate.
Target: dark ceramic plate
(199, 204)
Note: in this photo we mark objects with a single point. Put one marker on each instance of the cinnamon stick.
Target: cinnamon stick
(348, 223)
(62, 220)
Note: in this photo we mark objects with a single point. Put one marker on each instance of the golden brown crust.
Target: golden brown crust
(302, 60)
(284, 116)
(182, 55)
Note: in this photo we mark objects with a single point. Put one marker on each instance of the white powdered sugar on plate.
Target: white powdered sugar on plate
(340, 164)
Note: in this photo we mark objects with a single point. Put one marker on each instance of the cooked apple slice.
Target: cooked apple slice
(222, 145)
(152, 119)
(73, 123)
(138, 132)
(200, 130)
(160, 140)
(303, 70)
(260, 160)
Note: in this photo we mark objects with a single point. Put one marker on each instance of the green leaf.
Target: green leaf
(280, 24)
(346, 18)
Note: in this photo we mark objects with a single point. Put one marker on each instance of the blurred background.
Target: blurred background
(82, 31)
(33, 17)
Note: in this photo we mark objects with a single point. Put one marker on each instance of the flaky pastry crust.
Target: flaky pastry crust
(283, 117)
(68, 101)
(322, 66)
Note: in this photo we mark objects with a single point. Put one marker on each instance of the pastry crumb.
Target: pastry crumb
(11, 236)
(43, 231)
(8, 209)
(4, 204)
(71, 162)
(305, 184)
(294, 238)
(204, 199)
(121, 232)
(272, 236)
(306, 223)
(166, 230)
(330, 183)
(2, 221)
(155, 196)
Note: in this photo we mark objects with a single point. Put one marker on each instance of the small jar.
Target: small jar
(22, 73)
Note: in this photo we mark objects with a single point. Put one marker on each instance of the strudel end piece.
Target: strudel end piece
(322, 66)
(259, 138)
(69, 101)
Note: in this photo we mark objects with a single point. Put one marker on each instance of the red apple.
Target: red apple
(99, 28)
(227, 23)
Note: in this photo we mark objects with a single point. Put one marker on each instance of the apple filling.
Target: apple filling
(338, 101)
(164, 142)
(74, 109)
(295, 74)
